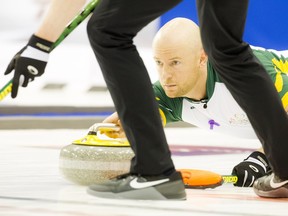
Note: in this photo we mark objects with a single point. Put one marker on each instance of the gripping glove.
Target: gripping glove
(253, 167)
(29, 62)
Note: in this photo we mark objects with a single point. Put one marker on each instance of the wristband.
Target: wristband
(40, 44)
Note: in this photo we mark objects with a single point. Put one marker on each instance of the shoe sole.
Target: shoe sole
(281, 192)
(150, 193)
(141, 194)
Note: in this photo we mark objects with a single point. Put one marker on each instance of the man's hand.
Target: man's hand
(115, 120)
(253, 167)
(29, 62)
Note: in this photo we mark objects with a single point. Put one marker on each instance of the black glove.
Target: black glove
(29, 62)
(253, 167)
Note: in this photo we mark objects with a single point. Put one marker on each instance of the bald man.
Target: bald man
(190, 90)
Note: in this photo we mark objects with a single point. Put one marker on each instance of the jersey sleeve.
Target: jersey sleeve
(276, 64)
(170, 108)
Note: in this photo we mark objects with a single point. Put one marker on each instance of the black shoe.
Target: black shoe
(131, 186)
(271, 186)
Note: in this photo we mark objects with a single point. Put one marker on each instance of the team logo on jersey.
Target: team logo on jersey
(280, 67)
(239, 119)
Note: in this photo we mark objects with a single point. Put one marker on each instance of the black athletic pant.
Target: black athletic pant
(111, 30)
(222, 24)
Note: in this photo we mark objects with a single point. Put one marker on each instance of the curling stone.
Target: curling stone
(94, 159)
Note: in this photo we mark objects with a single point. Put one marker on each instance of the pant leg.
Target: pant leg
(222, 25)
(111, 30)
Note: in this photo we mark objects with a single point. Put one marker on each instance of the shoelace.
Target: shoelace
(123, 176)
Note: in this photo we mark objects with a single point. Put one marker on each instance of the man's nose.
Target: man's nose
(166, 73)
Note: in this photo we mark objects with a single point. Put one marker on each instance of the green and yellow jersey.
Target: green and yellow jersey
(220, 112)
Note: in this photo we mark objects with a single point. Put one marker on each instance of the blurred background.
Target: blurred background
(72, 86)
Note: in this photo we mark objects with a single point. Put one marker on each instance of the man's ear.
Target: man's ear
(203, 58)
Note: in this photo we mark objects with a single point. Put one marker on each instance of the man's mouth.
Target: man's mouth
(169, 86)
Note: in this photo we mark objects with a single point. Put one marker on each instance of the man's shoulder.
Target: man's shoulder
(269, 53)
(212, 79)
(171, 107)
(158, 90)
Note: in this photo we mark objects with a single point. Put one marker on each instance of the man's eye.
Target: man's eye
(158, 62)
(175, 62)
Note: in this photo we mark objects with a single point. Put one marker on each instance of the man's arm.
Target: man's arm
(113, 118)
(30, 62)
(59, 14)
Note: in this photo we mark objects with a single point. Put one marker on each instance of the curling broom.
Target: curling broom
(202, 179)
(87, 10)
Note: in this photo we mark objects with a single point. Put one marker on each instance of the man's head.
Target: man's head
(180, 59)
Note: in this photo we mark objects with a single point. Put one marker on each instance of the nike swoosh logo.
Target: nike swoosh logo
(277, 185)
(138, 185)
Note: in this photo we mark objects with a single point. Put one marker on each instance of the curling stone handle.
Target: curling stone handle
(103, 127)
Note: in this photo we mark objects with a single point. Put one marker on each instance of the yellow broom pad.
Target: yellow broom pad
(200, 179)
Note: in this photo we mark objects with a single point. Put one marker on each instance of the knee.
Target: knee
(95, 32)
(234, 53)
(106, 36)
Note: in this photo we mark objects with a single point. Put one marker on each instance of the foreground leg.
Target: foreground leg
(222, 24)
(111, 31)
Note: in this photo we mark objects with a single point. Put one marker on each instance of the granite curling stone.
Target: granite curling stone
(94, 159)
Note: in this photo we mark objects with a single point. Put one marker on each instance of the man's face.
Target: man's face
(178, 68)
